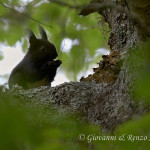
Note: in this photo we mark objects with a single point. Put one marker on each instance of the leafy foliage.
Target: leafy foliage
(25, 126)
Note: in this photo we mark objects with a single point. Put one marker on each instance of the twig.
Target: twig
(26, 15)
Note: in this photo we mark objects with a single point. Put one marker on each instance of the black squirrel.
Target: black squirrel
(38, 67)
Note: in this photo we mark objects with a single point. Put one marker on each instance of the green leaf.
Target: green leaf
(3, 10)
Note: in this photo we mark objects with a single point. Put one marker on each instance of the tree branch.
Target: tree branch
(67, 4)
(26, 15)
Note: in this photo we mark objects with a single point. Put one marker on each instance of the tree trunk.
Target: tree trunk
(104, 98)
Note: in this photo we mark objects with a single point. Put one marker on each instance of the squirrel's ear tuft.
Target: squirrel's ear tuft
(42, 33)
(31, 36)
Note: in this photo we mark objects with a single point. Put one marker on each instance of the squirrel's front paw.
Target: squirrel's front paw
(56, 63)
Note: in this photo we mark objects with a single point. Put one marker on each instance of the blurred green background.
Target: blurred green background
(85, 35)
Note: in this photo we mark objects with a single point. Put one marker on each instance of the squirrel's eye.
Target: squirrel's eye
(43, 48)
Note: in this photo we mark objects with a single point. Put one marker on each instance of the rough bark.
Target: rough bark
(104, 98)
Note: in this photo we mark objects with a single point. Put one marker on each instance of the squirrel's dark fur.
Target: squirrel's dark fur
(38, 67)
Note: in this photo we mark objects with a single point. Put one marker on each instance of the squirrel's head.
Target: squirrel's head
(40, 48)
